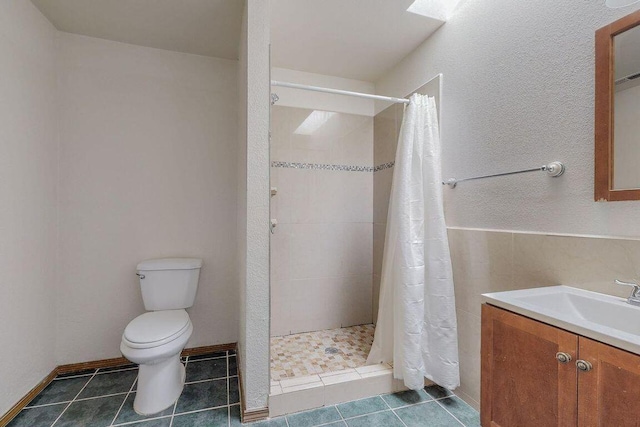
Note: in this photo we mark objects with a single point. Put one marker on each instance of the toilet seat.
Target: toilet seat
(156, 328)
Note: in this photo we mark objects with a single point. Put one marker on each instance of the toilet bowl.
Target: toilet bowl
(154, 340)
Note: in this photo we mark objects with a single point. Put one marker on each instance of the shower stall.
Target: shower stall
(321, 248)
(331, 176)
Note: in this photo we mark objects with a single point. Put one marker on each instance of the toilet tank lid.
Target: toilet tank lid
(170, 264)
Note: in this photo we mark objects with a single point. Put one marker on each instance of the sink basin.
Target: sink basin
(602, 317)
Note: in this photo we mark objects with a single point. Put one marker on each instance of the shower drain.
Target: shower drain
(331, 350)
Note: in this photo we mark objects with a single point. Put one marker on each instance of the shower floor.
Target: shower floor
(310, 353)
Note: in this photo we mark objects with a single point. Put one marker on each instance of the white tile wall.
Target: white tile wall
(321, 252)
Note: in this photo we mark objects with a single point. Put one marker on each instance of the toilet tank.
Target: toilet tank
(169, 283)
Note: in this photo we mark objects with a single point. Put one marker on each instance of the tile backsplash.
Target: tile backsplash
(492, 261)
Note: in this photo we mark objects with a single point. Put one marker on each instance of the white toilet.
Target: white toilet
(155, 339)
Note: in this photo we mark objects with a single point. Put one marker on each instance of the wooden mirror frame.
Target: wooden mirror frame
(605, 64)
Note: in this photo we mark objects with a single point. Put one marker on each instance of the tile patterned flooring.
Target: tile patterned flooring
(431, 407)
(104, 397)
(318, 352)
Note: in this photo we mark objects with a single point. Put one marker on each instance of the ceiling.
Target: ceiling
(202, 27)
(356, 39)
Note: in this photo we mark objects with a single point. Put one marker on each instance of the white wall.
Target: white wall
(626, 171)
(518, 91)
(147, 169)
(322, 101)
(28, 176)
(242, 188)
(253, 342)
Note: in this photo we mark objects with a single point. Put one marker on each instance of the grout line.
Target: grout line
(209, 358)
(46, 404)
(200, 410)
(124, 401)
(74, 376)
(341, 416)
(141, 421)
(76, 396)
(173, 413)
(205, 381)
(386, 403)
(398, 417)
(456, 418)
(340, 413)
(175, 405)
(101, 396)
(116, 370)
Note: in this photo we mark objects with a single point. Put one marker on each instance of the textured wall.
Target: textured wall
(241, 262)
(518, 91)
(254, 263)
(147, 170)
(28, 190)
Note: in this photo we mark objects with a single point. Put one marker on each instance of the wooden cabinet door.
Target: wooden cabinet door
(608, 394)
(522, 383)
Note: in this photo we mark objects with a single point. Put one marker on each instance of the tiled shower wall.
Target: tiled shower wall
(321, 262)
(386, 127)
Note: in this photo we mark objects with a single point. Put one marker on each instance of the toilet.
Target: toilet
(154, 340)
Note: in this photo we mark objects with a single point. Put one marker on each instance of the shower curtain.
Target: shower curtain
(416, 329)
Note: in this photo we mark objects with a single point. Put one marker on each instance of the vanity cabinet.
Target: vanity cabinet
(534, 374)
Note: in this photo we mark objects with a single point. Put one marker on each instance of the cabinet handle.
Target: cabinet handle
(584, 366)
(563, 357)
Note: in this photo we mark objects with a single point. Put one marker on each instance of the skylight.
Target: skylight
(437, 9)
(313, 122)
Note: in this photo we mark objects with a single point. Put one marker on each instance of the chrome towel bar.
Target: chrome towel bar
(553, 169)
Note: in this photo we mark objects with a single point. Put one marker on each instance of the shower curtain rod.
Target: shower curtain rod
(340, 92)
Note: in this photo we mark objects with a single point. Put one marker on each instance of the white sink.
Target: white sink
(601, 317)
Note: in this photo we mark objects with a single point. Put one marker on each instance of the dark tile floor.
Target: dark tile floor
(431, 407)
(104, 397)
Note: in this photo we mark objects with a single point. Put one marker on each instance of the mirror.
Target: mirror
(617, 110)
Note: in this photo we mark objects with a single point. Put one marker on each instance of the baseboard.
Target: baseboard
(196, 351)
(248, 415)
(255, 415)
(15, 409)
(96, 364)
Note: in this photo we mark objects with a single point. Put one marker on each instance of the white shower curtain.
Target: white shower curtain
(416, 328)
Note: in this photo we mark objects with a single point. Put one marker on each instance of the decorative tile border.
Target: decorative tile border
(346, 168)
(383, 166)
(319, 166)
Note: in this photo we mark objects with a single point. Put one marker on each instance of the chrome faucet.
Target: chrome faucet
(634, 298)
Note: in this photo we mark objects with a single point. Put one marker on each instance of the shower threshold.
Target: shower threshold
(313, 369)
